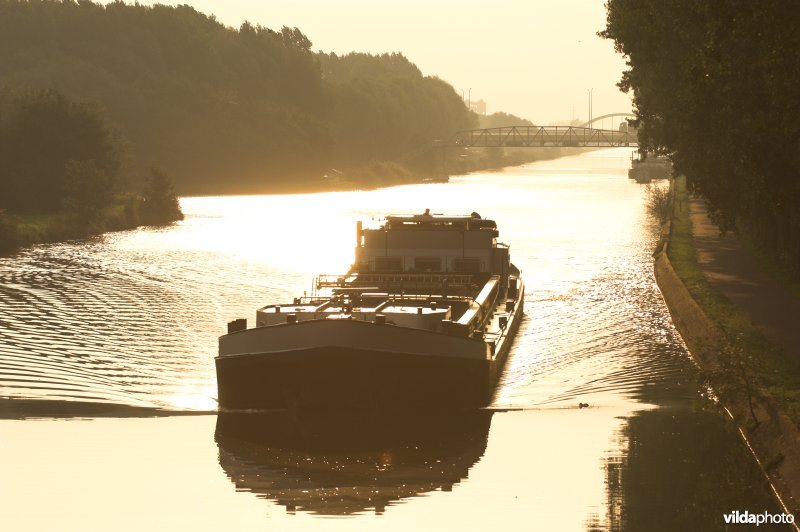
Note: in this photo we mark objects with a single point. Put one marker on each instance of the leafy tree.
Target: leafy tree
(225, 109)
(384, 106)
(159, 204)
(714, 86)
(294, 37)
(87, 193)
(8, 233)
(40, 134)
(503, 119)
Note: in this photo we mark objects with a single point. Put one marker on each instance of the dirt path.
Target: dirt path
(731, 269)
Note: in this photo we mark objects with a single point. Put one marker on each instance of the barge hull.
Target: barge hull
(335, 376)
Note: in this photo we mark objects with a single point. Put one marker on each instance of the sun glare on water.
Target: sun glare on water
(200, 399)
(308, 233)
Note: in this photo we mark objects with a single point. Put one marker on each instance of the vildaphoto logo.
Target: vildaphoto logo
(746, 518)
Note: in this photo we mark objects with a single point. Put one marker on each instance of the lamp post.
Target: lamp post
(469, 100)
(590, 104)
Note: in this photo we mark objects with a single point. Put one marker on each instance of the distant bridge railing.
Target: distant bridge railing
(542, 136)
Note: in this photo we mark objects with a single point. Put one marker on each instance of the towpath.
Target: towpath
(733, 270)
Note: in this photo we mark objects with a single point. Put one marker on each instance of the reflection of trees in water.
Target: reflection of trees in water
(681, 470)
(348, 463)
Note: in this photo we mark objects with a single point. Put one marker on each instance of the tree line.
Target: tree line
(59, 173)
(715, 88)
(230, 110)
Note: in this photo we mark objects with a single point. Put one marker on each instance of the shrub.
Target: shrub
(159, 203)
(659, 202)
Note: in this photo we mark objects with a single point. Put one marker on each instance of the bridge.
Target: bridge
(610, 115)
(543, 136)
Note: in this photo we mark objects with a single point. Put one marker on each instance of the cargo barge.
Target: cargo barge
(424, 318)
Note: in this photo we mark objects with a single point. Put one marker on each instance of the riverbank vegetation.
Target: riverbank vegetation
(60, 174)
(715, 88)
(227, 110)
(748, 361)
(659, 202)
(501, 119)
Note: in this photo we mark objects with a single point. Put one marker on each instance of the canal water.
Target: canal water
(95, 334)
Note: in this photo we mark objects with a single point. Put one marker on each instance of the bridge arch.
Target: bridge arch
(610, 115)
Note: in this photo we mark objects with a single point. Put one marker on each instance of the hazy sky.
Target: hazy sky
(535, 58)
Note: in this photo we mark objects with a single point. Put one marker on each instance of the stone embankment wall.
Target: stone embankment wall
(775, 441)
(695, 327)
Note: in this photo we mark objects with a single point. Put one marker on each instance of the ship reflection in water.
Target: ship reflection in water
(349, 463)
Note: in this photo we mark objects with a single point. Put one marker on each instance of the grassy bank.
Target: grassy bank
(388, 173)
(749, 362)
(19, 230)
(379, 174)
(477, 159)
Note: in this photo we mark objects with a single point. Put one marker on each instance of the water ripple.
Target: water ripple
(132, 318)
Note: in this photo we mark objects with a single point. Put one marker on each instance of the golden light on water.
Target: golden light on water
(307, 233)
(197, 398)
(134, 316)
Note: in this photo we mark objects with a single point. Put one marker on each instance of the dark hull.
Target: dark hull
(331, 376)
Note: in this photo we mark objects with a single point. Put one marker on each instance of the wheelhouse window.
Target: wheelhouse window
(428, 264)
(467, 265)
(388, 264)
